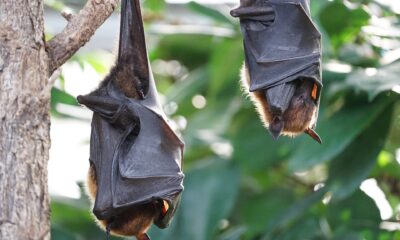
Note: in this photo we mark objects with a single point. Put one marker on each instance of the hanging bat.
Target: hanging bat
(135, 177)
(282, 64)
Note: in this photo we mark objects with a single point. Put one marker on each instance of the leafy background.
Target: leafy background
(240, 184)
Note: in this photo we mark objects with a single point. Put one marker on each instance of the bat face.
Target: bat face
(300, 114)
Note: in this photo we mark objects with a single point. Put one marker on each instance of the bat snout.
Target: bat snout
(103, 214)
(276, 127)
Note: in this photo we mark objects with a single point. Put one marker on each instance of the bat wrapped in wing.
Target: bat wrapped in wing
(135, 177)
(282, 63)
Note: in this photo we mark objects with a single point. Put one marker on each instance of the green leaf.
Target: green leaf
(155, 5)
(209, 196)
(341, 23)
(211, 119)
(373, 81)
(270, 204)
(192, 50)
(337, 133)
(55, 4)
(185, 89)
(254, 148)
(73, 217)
(293, 212)
(352, 214)
(211, 13)
(233, 234)
(225, 65)
(354, 164)
(59, 96)
(307, 228)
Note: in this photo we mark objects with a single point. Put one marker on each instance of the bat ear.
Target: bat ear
(132, 61)
(314, 135)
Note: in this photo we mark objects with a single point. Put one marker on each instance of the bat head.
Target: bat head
(287, 109)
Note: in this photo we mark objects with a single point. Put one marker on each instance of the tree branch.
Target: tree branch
(79, 30)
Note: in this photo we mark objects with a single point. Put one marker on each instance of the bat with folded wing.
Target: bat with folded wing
(135, 177)
(282, 64)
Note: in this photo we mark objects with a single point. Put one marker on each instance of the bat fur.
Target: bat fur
(135, 221)
(298, 118)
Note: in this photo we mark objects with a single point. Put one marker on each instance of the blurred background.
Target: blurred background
(240, 184)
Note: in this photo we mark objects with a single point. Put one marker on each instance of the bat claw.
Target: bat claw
(314, 135)
(144, 236)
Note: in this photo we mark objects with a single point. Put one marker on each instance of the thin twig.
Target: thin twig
(79, 30)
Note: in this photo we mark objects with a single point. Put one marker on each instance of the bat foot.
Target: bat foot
(144, 236)
(314, 135)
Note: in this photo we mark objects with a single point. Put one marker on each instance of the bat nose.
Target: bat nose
(276, 127)
(103, 214)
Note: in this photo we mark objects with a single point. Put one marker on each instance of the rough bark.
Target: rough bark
(24, 122)
(25, 65)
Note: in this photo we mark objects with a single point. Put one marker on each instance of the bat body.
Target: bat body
(135, 177)
(282, 64)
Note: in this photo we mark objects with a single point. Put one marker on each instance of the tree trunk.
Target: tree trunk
(24, 122)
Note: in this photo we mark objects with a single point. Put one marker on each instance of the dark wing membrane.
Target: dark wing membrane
(156, 152)
(132, 55)
(151, 167)
(136, 155)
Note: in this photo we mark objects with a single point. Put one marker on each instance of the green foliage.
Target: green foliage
(240, 184)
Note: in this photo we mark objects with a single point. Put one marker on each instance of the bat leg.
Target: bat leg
(314, 135)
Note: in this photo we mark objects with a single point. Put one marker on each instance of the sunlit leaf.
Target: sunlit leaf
(352, 216)
(342, 23)
(354, 164)
(210, 12)
(59, 96)
(225, 66)
(337, 133)
(373, 81)
(155, 5)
